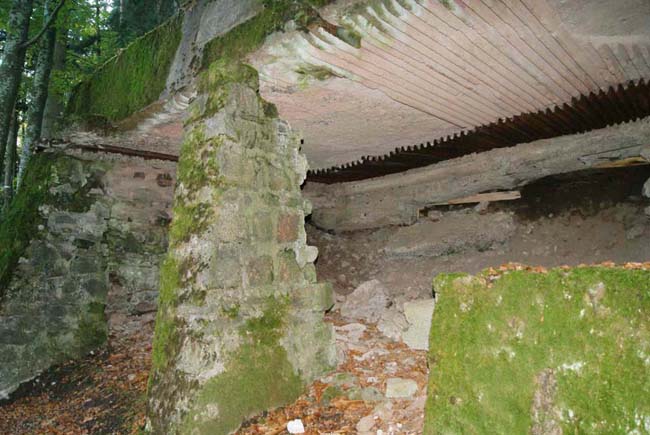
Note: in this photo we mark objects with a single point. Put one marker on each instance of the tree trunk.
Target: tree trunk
(38, 95)
(11, 67)
(98, 29)
(55, 105)
(10, 164)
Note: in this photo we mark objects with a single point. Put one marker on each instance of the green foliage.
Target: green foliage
(139, 16)
(490, 343)
(132, 79)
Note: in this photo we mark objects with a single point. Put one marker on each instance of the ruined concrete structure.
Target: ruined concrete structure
(247, 96)
(96, 230)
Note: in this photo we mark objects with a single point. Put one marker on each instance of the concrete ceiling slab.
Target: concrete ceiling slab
(425, 69)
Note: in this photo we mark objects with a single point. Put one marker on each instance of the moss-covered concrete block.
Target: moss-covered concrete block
(131, 80)
(566, 351)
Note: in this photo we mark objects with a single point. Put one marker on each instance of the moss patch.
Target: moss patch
(250, 35)
(165, 335)
(132, 79)
(258, 377)
(566, 348)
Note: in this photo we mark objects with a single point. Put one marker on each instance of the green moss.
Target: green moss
(258, 377)
(330, 394)
(132, 79)
(216, 83)
(198, 167)
(165, 335)
(92, 330)
(489, 344)
(250, 35)
(231, 312)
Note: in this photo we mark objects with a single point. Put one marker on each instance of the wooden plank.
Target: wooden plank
(633, 161)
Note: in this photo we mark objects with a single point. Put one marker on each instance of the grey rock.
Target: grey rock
(371, 394)
(366, 302)
(646, 189)
(366, 424)
(418, 315)
(635, 232)
(399, 388)
(350, 332)
(393, 323)
(647, 211)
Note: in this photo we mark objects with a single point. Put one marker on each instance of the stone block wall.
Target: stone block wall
(240, 326)
(97, 235)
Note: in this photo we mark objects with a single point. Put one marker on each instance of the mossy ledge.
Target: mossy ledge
(250, 35)
(566, 351)
(131, 80)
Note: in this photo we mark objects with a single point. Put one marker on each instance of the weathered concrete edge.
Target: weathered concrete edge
(395, 199)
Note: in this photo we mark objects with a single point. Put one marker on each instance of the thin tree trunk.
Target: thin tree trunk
(55, 105)
(13, 60)
(38, 95)
(98, 29)
(10, 164)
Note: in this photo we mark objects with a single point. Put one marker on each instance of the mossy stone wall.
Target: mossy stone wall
(54, 283)
(240, 323)
(566, 351)
(80, 243)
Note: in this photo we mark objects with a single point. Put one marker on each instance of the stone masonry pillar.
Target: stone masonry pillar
(240, 321)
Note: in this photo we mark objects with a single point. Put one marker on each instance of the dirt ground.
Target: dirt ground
(103, 393)
(589, 218)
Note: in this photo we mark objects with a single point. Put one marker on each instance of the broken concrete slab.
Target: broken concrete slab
(366, 302)
(418, 315)
(399, 388)
(398, 199)
(453, 232)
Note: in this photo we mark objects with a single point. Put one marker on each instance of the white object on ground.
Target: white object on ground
(418, 315)
(295, 426)
(398, 388)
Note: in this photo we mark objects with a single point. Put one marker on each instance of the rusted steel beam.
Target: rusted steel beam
(112, 149)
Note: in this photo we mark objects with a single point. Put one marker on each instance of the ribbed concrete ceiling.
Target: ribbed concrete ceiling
(425, 69)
